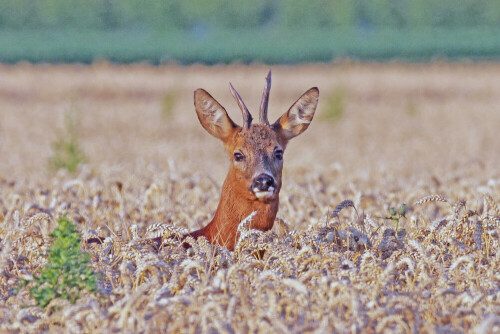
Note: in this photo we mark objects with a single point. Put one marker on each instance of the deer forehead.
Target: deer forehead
(257, 138)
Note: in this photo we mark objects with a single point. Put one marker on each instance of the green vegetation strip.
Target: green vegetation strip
(211, 46)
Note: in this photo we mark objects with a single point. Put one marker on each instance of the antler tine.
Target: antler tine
(247, 117)
(265, 100)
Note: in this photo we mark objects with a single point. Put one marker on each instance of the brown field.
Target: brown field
(383, 135)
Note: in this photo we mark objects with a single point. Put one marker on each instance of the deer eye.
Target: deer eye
(238, 157)
(278, 154)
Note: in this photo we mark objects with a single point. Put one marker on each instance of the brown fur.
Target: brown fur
(237, 201)
(258, 144)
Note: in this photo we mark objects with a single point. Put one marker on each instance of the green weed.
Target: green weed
(168, 103)
(67, 152)
(67, 271)
(334, 105)
(412, 108)
(397, 214)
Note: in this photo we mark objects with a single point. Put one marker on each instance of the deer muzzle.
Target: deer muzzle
(264, 186)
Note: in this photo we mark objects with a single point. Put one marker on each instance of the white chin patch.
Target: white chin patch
(264, 194)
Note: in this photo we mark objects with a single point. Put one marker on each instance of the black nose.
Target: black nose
(263, 182)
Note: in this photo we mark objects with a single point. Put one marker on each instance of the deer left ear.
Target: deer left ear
(213, 117)
(297, 119)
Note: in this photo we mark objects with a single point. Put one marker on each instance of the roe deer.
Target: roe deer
(256, 151)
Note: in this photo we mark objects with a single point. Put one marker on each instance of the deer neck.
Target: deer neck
(235, 205)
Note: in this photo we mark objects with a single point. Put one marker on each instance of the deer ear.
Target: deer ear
(297, 119)
(213, 117)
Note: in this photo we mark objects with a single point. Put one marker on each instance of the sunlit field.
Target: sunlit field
(389, 215)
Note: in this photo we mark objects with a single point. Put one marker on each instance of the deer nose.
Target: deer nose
(263, 182)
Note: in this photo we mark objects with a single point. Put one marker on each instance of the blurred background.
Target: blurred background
(226, 31)
(409, 88)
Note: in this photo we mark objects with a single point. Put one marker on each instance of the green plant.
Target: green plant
(168, 102)
(67, 271)
(397, 214)
(412, 108)
(67, 152)
(335, 104)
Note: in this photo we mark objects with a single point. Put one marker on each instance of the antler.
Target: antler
(247, 118)
(265, 100)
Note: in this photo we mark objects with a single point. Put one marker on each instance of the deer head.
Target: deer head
(256, 152)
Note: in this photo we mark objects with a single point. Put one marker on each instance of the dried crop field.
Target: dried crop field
(383, 135)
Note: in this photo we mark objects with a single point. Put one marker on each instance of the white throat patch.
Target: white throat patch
(264, 194)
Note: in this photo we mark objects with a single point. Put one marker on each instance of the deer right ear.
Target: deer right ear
(297, 119)
(213, 117)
